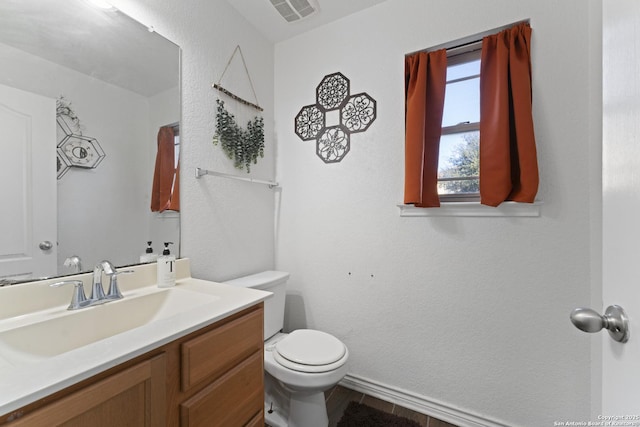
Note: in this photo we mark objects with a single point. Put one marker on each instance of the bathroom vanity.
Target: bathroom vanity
(196, 361)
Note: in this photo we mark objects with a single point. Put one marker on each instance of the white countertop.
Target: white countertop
(27, 381)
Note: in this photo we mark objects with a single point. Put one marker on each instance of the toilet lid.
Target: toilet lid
(313, 350)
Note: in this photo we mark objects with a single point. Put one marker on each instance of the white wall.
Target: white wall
(468, 312)
(226, 226)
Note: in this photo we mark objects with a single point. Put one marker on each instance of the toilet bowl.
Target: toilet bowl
(299, 366)
(301, 361)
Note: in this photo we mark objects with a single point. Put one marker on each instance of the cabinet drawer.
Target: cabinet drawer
(234, 400)
(209, 355)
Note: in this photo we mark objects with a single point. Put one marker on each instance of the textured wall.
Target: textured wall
(227, 226)
(471, 312)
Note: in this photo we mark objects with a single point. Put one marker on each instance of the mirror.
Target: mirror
(114, 83)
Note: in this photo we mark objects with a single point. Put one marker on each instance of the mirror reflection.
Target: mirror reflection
(84, 93)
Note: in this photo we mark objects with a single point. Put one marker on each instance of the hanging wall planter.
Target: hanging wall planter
(243, 146)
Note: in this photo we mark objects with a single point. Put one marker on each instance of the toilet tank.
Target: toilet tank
(270, 281)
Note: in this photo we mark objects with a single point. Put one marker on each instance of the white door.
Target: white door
(28, 207)
(621, 204)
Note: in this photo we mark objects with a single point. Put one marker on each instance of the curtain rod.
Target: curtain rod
(202, 172)
(468, 40)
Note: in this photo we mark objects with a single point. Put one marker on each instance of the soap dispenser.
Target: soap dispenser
(148, 255)
(166, 268)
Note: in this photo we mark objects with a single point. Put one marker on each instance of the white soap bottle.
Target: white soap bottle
(166, 268)
(148, 255)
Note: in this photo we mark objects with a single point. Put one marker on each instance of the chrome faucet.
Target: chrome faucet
(79, 300)
(97, 291)
(74, 262)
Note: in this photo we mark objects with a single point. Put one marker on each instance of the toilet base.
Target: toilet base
(275, 418)
(308, 410)
(283, 408)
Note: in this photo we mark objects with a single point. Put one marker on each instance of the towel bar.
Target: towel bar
(201, 172)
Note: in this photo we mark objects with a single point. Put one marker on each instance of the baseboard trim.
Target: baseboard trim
(415, 402)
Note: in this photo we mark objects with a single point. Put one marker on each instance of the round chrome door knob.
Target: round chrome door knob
(614, 320)
(45, 245)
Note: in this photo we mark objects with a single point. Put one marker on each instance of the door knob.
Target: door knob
(45, 245)
(614, 320)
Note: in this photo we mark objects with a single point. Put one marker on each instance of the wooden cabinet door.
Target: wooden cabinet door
(257, 421)
(134, 397)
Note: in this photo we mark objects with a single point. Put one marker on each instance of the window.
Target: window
(444, 111)
(459, 158)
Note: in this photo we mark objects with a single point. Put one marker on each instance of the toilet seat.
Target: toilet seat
(310, 351)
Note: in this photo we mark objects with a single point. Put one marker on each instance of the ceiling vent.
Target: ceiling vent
(293, 10)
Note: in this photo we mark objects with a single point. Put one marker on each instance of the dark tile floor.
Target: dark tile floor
(339, 397)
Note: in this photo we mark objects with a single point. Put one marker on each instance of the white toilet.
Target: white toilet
(299, 366)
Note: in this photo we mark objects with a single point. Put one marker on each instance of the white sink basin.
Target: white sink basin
(48, 337)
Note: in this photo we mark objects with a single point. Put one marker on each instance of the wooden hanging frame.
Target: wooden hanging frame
(231, 94)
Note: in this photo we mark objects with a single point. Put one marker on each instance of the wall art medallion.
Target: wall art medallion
(73, 148)
(355, 113)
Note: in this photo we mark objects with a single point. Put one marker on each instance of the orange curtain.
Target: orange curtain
(425, 82)
(508, 160)
(165, 171)
(174, 204)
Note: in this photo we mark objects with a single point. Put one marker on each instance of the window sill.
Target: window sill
(167, 214)
(475, 209)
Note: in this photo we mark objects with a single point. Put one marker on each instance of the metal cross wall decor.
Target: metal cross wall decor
(356, 113)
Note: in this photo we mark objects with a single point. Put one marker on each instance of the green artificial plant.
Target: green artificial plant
(242, 146)
(64, 109)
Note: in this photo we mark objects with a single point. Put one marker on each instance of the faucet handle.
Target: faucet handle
(74, 262)
(78, 299)
(114, 291)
